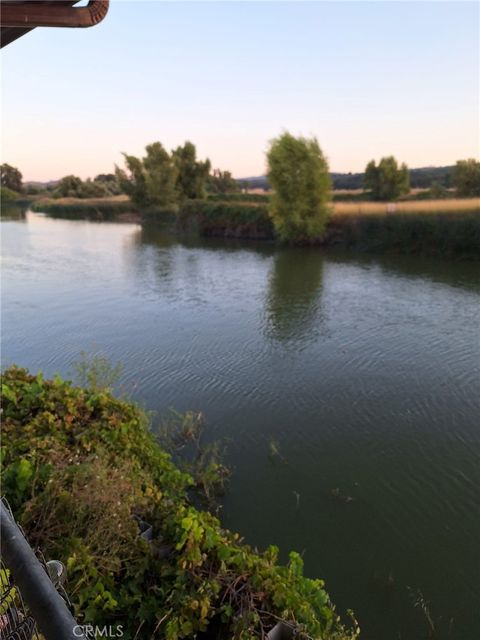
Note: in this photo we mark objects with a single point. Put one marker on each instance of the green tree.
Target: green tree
(109, 181)
(70, 187)
(92, 189)
(299, 176)
(387, 181)
(10, 177)
(466, 177)
(222, 182)
(151, 180)
(192, 174)
(438, 191)
(371, 179)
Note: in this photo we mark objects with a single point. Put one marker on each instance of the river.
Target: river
(362, 373)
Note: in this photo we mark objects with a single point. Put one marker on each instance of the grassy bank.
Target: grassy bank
(113, 208)
(228, 219)
(81, 470)
(445, 235)
(444, 227)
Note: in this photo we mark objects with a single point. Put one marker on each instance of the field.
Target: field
(454, 205)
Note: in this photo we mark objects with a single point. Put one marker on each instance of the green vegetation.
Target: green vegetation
(164, 180)
(446, 235)
(12, 206)
(150, 181)
(191, 174)
(70, 187)
(447, 227)
(89, 208)
(387, 181)
(7, 195)
(102, 186)
(466, 178)
(110, 183)
(177, 187)
(437, 191)
(239, 197)
(298, 173)
(10, 177)
(81, 470)
(227, 219)
(222, 182)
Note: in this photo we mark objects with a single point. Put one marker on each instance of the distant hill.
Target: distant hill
(420, 178)
(41, 185)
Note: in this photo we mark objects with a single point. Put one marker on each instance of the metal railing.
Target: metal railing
(30, 590)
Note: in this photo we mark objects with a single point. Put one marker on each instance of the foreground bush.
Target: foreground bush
(79, 465)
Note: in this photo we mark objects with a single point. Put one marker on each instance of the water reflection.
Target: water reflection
(13, 212)
(293, 310)
(461, 273)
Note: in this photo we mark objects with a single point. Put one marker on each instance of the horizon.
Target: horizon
(252, 177)
(402, 79)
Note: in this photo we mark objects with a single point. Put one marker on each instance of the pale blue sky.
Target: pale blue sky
(367, 78)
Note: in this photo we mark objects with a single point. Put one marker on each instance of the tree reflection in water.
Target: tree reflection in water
(293, 305)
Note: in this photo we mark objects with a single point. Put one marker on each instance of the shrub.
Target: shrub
(222, 182)
(8, 195)
(228, 219)
(438, 191)
(78, 464)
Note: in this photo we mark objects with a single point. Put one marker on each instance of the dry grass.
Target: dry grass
(456, 205)
(84, 201)
(347, 192)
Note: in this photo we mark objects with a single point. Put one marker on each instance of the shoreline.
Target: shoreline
(447, 228)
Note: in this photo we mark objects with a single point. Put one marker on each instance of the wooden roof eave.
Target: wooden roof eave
(19, 17)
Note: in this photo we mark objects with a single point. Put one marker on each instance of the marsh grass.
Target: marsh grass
(96, 372)
(228, 219)
(94, 208)
(182, 435)
(436, 628)
(446, 234)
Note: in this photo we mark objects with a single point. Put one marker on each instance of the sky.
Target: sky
(368, 79)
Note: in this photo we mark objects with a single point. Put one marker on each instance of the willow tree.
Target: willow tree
(299, 176)
(192, 174)
(151, 180)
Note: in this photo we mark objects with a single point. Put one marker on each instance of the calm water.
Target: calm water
(365, 373)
